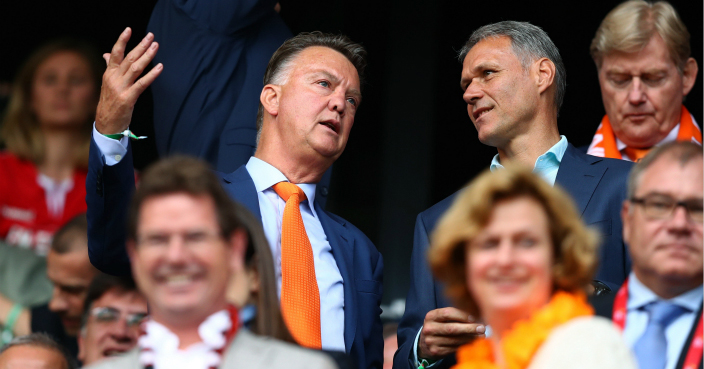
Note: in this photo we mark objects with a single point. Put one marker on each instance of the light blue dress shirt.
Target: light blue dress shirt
(546, 165)
(271, 206)
(676, 333)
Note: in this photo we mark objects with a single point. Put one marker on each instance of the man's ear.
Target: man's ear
(238, 245)
(270, 99)
(131, 251)
(689, 75)
(626, 219)
(545, 73)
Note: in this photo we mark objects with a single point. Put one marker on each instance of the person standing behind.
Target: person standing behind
(642, 55)
(185, 242)
(659, 307)
(47, 134)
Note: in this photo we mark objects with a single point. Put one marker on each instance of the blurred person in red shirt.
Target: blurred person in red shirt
(46, 131)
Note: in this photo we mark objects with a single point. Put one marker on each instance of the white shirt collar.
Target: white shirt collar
(266, 175)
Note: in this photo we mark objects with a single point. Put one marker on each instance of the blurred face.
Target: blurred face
(71, 274)
(499, 93)
(112, 326)
(390, 347)
(31, 357)
(63, 91)
(670, 248)
(509, 263)
(180, 261)
(643, 92)
(317, 104)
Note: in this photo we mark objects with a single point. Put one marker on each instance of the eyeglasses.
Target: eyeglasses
(661, 207)
(108, 314)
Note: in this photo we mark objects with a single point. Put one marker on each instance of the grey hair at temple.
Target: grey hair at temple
(528, 43)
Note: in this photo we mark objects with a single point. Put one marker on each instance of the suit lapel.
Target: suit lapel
(579, 174)
(240, 186)
(340, 240)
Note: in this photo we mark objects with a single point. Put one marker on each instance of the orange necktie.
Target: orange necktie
(300, 298)
(636, 154)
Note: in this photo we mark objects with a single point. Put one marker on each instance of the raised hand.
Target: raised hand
(121, 88)
(444, 331)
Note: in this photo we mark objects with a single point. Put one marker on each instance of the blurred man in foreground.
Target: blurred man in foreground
(185, 242)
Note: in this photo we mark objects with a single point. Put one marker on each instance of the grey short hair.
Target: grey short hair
(282, 60)
(42, 340)
(528, 43)
(683, 152)
(629, 27)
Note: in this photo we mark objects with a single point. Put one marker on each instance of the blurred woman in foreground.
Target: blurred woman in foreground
(513, 252)
(46, 131)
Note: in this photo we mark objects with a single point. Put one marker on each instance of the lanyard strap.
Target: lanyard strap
(694, 353)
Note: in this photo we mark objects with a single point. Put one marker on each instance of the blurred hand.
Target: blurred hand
(120, 91)
(445, 330)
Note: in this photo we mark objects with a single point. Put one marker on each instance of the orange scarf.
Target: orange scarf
(526, 336)
(604, 142)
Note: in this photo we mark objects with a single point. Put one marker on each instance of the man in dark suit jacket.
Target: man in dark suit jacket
(311, 93)
(215, 53)
(514, 82)
(665, 243)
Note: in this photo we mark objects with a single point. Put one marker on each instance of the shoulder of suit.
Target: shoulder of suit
(270, 353)
(434, 212)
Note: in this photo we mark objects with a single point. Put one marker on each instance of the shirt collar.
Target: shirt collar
(639, 295)
(672, 136)
(553, 155)
(265, 175)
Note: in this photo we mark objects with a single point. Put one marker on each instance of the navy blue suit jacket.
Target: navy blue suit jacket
(109, 189)
(598, 187)
(214, 53)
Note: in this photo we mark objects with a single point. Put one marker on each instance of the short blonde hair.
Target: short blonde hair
(21, 132)
(574, 246)
(630, 26)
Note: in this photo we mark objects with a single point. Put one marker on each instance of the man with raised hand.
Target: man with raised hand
(312, 89)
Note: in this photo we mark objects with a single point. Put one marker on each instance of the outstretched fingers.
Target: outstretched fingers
(141, 84)
(118, 50)
(134, 63)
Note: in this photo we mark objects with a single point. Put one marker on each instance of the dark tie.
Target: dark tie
(651, 347)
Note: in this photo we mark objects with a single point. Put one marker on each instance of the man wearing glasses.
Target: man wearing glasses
(659, 307)
(114, 310)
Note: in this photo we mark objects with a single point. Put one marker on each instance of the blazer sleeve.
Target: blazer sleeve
(108, 193)
(420, 300)
(225, 16)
